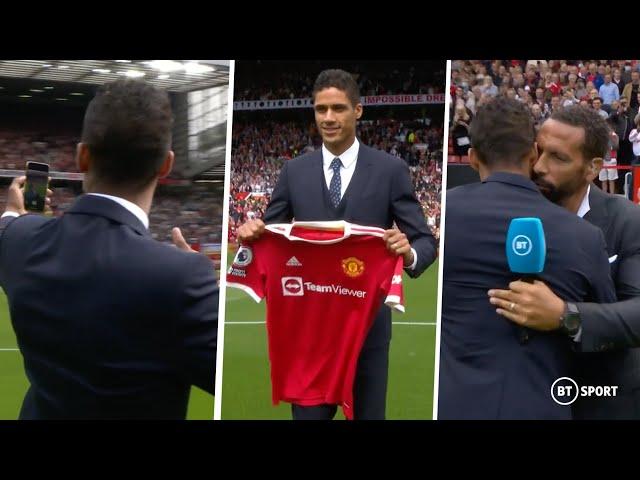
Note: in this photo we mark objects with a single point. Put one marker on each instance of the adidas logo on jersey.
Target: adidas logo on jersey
(293, 262)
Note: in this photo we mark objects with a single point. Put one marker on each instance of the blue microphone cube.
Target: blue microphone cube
(526, 247)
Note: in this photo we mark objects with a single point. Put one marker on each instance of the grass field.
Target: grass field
(13, 382)
(246, 390)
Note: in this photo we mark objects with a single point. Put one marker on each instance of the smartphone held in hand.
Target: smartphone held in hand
(35, 187)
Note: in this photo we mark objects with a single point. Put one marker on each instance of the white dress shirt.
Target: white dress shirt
(348, 158)
(584, 207)
(132, 207)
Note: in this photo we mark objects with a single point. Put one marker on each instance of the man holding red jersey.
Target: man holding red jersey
(346, 180)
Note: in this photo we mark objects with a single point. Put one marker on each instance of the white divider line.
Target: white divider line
(443, 210)
(217, 405)
(9, 350)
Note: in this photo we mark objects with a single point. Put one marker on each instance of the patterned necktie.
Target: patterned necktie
(336, 183)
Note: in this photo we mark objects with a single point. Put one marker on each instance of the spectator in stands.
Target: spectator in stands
(597, 106)
(460, 131)
(553, 84)
(608, 176)
(599, 80)
(538, 116)
(634, 138)
(608, 91)
(618, 81)
(581, 90)
(569, 97)
(489, 88)
(630, 91)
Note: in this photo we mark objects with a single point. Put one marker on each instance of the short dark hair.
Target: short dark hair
(596, 130)
(127, 128)
(502, 132)
(338, 79)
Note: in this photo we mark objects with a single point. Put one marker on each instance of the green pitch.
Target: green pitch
(13, 382)
(246, 390)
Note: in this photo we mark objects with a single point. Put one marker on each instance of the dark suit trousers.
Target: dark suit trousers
(369, 389)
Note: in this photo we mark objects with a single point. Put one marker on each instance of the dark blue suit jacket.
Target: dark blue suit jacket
(111, 323)
(379, 194)
(611, 332)
(485, 371)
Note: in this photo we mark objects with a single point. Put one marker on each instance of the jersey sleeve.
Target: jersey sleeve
(394, 294)
(246, 273)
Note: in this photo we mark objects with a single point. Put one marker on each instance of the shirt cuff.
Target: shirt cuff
(415, 260)
(10, 214)
(578, 336)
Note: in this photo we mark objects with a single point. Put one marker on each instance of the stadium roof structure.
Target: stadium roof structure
(174, 75)
(46, 81)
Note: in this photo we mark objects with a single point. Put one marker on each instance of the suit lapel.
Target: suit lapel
(357, 185)
(598, 214)
(315, 183)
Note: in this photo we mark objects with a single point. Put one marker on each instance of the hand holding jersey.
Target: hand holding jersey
(250, 230)
(398, 244)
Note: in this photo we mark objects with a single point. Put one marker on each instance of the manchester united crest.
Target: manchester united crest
(352, 267)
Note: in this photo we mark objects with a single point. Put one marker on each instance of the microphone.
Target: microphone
(526, 250)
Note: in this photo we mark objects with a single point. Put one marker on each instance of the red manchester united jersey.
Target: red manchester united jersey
(324, 283)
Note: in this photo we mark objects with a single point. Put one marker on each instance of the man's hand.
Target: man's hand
(532, 305)
(179, 241)
(250, 231)
(15, 197)
(398, 244)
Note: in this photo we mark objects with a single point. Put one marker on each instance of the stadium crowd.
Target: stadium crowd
(260, 150)
(19, 146)
(611, 87)
(196, 210)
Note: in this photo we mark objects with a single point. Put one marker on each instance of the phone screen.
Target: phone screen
(35, 187)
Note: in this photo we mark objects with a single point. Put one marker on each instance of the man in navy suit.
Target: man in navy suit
(346, 180)
(111, 323)
(489, 369)
(608, 335)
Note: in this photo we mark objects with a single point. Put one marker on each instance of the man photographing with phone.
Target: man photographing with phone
(111, 323)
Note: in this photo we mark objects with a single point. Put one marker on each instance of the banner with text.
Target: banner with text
(369, 101)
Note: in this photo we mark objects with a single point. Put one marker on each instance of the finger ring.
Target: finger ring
(512, 306)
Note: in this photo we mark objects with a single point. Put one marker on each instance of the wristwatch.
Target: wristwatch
(570, 321)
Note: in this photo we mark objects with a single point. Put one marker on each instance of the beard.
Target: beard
(555, 193)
